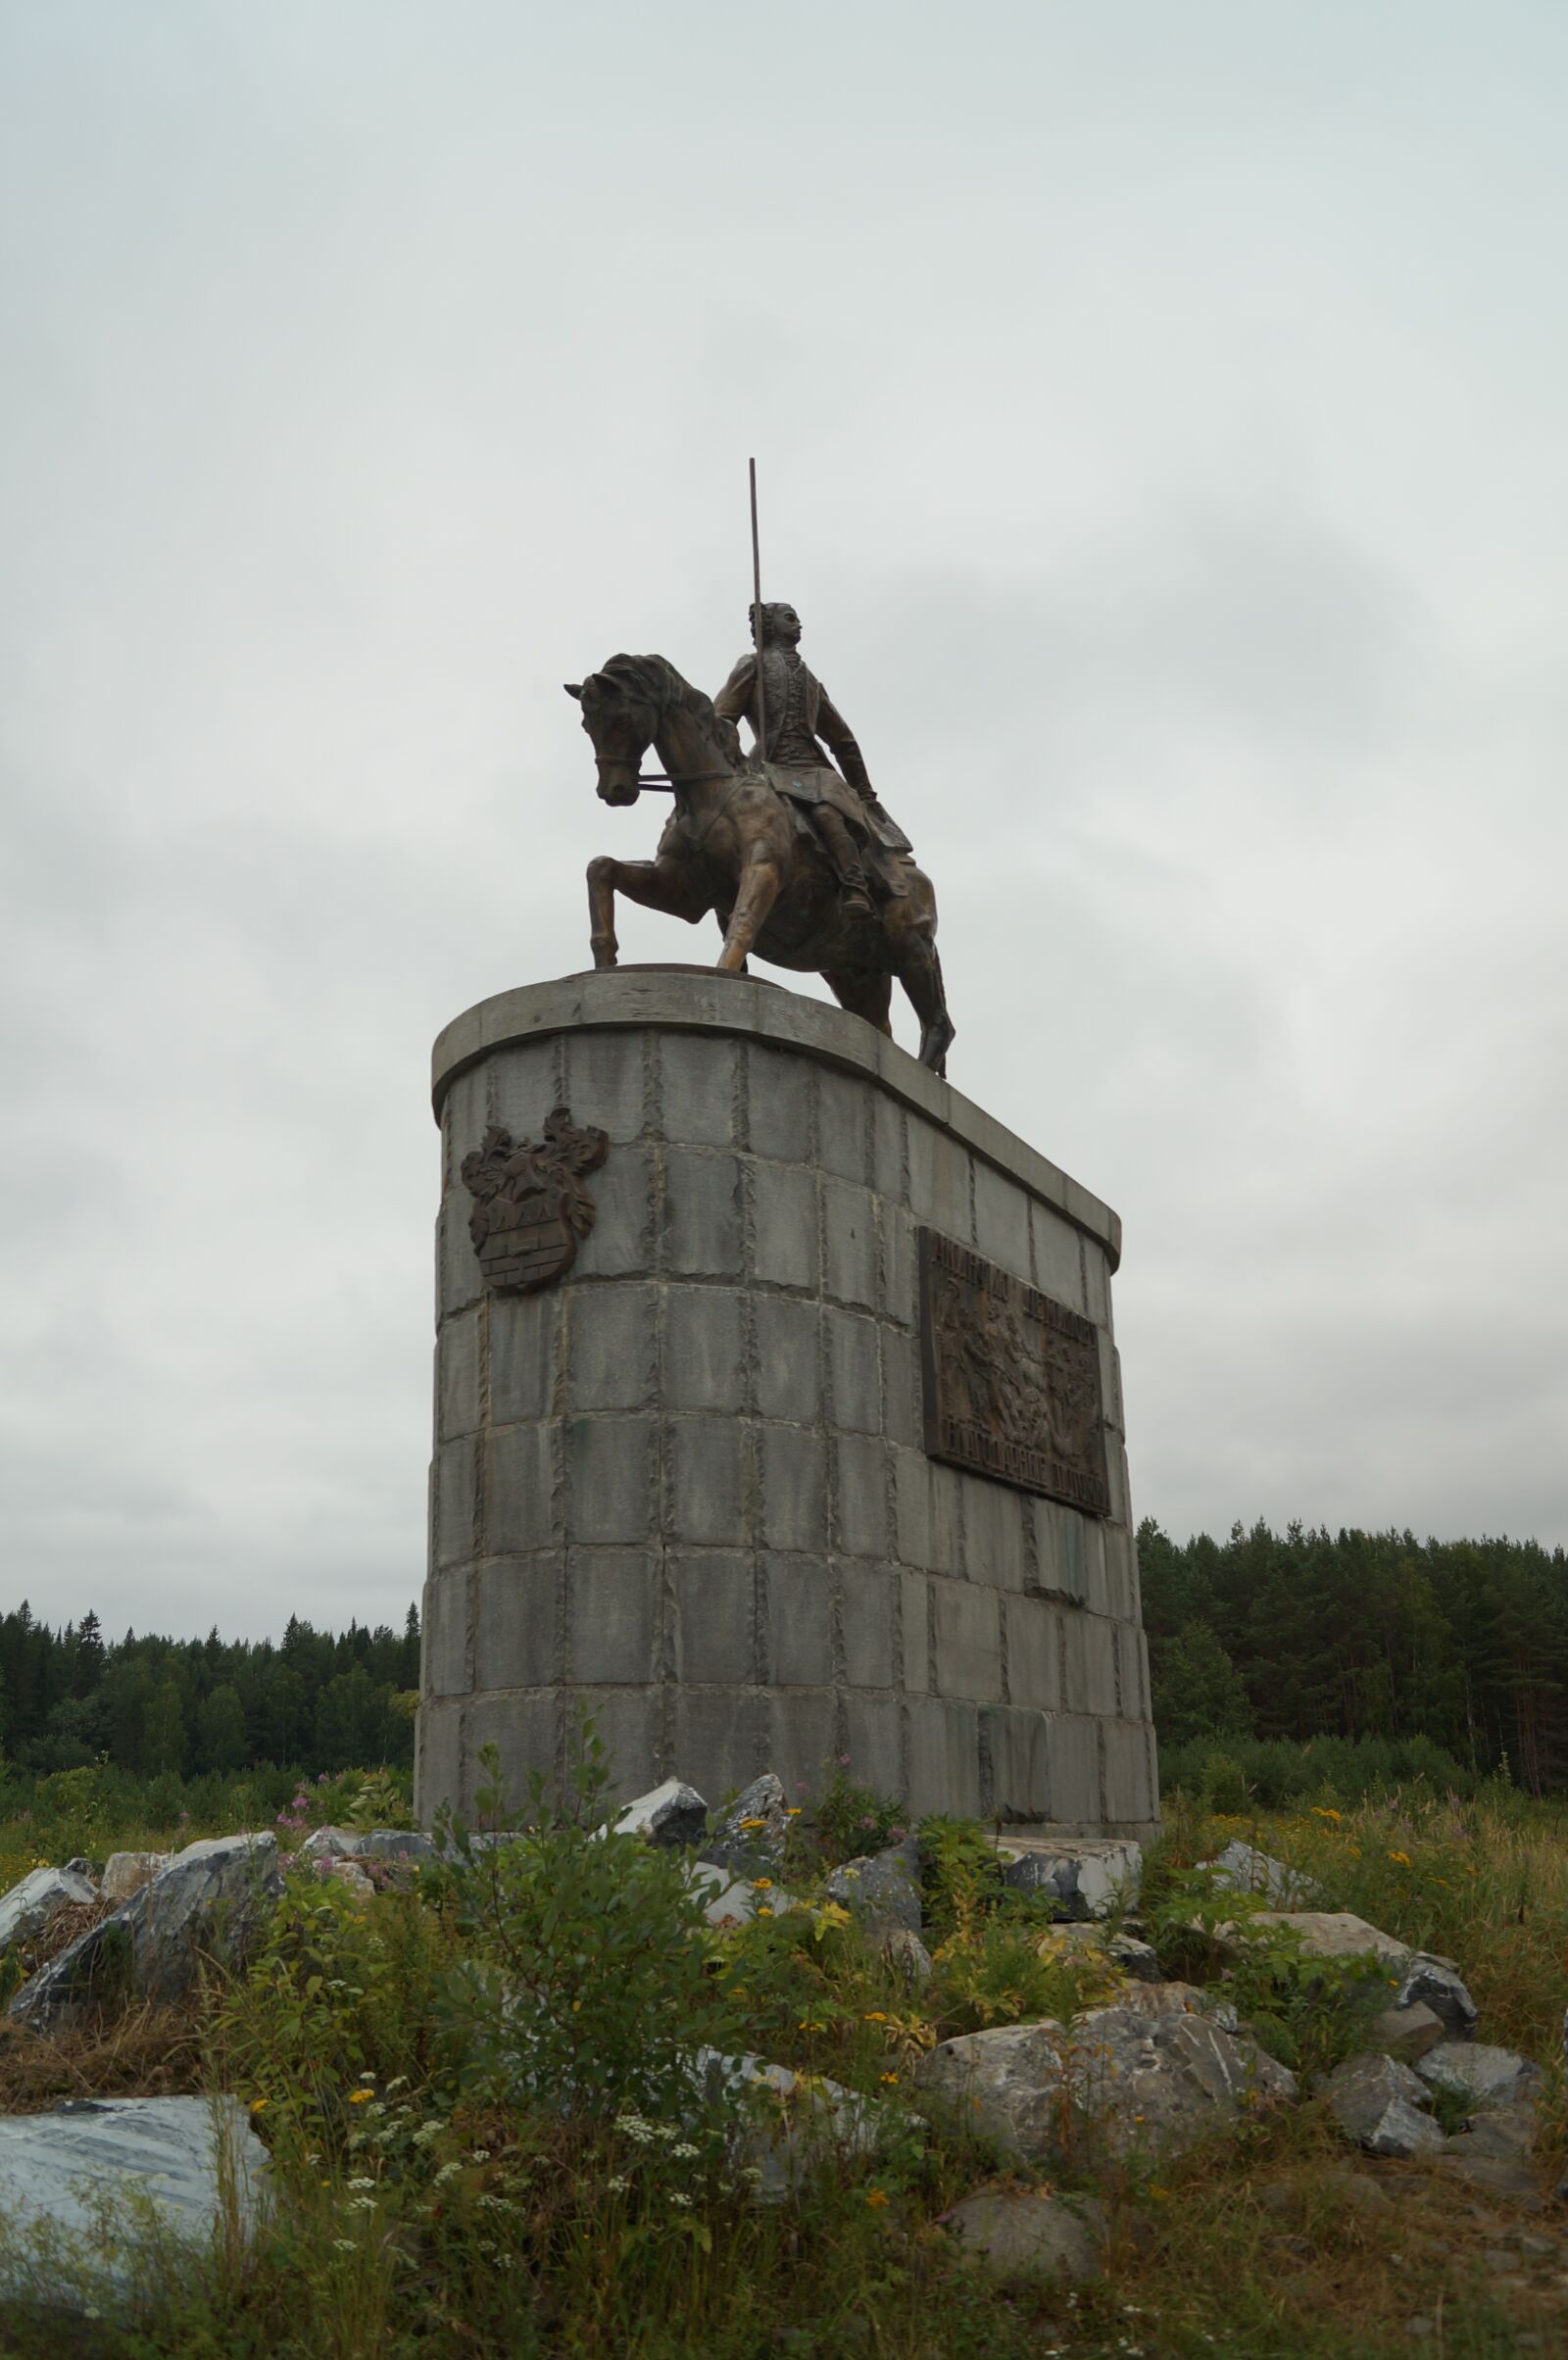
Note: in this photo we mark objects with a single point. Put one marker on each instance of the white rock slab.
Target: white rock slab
(30, 1905)
(160, 2162)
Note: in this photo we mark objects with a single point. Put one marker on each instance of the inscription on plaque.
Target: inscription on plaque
(531, 1204)
(1011, 1379)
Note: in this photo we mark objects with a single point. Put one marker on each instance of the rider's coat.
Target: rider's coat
(800, 711)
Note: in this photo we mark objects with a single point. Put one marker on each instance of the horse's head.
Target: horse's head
(620, 708)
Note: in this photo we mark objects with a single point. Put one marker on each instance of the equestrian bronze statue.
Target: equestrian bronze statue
(797, 859)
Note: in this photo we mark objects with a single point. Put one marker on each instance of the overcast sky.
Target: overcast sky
(1159, 412)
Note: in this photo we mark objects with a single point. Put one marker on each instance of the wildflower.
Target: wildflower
(1402, 1859)
(875, 2016)
(618, 2183)
(684, 2149)
(763, 1884)
(366, 2077)
(794, 1811)
(362, 2183)
(1318, 1813)
(259, 2105)
(764, 1912)
(359, 2097)
(480, 2155)
(889, 2079)
(344, 2245)
(676, 2197)
(448, 2171)
(876, 2197)
(754, 1823)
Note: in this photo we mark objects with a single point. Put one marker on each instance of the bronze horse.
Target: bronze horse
(734, 845)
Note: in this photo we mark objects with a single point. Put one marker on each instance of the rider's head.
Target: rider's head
(781, 625)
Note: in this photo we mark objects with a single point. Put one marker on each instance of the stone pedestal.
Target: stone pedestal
(687, 1481)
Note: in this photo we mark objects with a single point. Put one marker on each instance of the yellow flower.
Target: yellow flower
(1403, 1859)
(876, 2016)
(765, 1913)
(889, 2079)
(875, 2196)
(794, 1811)
(1318, 1813)
(763, 1884)
(257, 2104)
(754, 1823)
(359, 2097)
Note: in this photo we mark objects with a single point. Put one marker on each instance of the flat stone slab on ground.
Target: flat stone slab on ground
(1028, 2233)
(1335, 1934)
(163, 2153)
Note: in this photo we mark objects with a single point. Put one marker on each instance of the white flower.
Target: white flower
(684, 2149)
(618, 2183)
(676, 2197)
(448, 2171)
(362, 2183)
(344, 2245)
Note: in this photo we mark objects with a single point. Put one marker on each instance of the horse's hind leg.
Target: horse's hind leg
(921, 978)
(661, 884)
(864, 994)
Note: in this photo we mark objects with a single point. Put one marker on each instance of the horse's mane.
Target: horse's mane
(653, 680)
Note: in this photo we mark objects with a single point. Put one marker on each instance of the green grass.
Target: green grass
(442, 2192)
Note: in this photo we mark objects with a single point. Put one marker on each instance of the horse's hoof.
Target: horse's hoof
(605, 954)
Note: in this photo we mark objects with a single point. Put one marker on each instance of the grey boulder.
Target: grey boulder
(750, 1833)
(29, 1906)
(211, 1897)
(1026, 2233)
(1082, 1878)
(1434, 1983)
(736, 1901)
(1488, 2076)
(125, 1873)
(672, 1814)
(1378, 2102)
(1408, 2032)
(1153, 2072)
(120, 2164)
(881, 1891)
(904, 1951)
(367, 1843)
(1242, 1868)
(797, 2120)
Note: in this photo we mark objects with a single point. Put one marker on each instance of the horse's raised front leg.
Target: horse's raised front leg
(662, 884)
(757, 891)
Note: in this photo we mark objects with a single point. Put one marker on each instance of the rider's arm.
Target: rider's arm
(734, 700)
(839, 738)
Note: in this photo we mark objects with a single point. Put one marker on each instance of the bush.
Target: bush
(586, 1971)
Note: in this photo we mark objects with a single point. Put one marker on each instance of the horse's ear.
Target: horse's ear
(573, 688)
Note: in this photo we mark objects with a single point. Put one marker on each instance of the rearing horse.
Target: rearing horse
(734, 845)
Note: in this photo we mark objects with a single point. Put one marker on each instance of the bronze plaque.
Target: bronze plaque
(1011, 1379)
(532, 1204)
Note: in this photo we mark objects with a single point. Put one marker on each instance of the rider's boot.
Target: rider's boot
(854, 897)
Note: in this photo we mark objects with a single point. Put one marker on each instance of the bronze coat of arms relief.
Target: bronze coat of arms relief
(1011, 1379)
(532, 1204)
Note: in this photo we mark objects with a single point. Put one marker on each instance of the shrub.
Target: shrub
(586, 1969)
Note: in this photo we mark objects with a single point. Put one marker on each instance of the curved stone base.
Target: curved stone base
(687, 1483)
